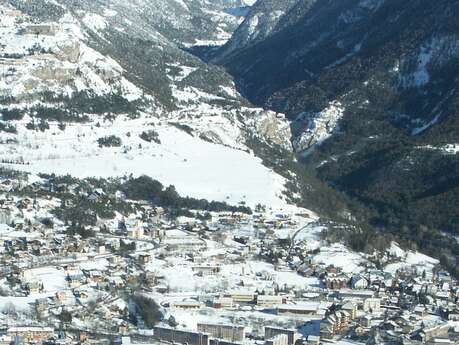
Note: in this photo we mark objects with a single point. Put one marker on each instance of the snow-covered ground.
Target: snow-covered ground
(61, 62)
(53, 278)
(249, 276)
(340, 256)
(410, 259)
(213, 162)
(195, 167)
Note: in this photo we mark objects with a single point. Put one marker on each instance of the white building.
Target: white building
(372, 305)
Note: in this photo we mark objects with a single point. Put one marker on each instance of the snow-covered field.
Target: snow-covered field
(53, 278)
(340, 256)
(213, 162)
(195, 167)
(410, 258)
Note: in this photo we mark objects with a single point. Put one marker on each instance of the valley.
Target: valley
(229, 172)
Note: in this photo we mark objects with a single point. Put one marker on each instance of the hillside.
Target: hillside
(371, 87)
(368, 87)
(229, 172)
(95, 88)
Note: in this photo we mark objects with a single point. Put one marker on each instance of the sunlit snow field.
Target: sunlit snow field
(195, 167)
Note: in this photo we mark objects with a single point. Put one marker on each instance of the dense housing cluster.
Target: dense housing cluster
(84, 263)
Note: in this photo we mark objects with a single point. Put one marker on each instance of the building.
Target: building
(333, 324)
(144, 258)
(61, 296)
(298, 309)
(5, 216)
(365, 321)
(134, 228)
(280, 339)
(185, 244)
(187, 305)
(272, 332)
(336, 282)
(223, 302)
(358, 294)
(28, 334)
(226, 332)
(177, 336)
(75, 279)
(439, 331)
(351, 308)
(313, 340)
(420, 310)
(243, 296)
(359, 282)
(206, 270)
(136, 232)
(41, 29)
(372, 305)
(269, 300)
(34, 287)
(10, 12)
(328, 328)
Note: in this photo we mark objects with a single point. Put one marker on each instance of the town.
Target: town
(127, 89)
(138, 273)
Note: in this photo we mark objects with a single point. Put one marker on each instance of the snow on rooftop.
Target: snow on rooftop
(408, 259)
(53, 278)
(96, 264)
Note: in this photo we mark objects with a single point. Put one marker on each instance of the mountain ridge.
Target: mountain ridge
(370, 88)
(83, 81)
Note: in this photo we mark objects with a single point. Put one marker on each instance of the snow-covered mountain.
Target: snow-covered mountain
(181, 21)
(371, 86)
(98, 88)
(88, 79)
(260, 22)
